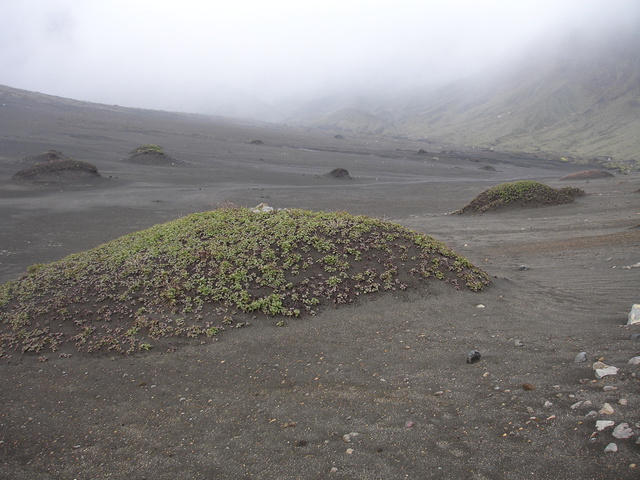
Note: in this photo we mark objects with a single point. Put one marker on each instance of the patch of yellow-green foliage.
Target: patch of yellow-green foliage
(199, 274)
(523, 193)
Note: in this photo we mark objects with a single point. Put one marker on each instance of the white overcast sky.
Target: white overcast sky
(184, 54)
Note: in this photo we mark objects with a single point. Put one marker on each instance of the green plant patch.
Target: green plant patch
(195, 276)
(148, 149)
(525, 193)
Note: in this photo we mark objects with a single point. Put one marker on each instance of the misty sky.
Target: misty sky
(190, 54)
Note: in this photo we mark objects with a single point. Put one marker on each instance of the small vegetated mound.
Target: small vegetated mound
(341, 173)
(152, 155)
(525, 193)
(46, 157)
(587, 175)
(194, 276)
(57, 171)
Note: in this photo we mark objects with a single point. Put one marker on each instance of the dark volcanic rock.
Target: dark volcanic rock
(339, 173)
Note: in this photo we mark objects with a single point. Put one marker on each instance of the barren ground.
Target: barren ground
(272, 402)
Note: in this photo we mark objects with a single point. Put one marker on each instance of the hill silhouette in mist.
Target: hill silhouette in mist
(577, 99)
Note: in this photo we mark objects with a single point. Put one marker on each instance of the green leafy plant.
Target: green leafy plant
(191, 276)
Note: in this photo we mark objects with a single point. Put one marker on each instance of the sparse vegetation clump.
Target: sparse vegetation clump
(525, 193)
(58, 168)
(197, 275)
(148, 149)
(152, 155)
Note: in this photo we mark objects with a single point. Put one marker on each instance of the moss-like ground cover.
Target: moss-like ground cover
(58, 167)
(525, 193)
(152, 155)
(148, 149)
(195, 275)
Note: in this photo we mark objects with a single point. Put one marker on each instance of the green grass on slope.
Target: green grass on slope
(191, 276)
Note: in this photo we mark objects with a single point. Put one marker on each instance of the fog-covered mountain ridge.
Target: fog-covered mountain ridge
(580, 99)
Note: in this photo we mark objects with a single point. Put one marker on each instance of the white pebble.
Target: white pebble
(606, 409)
(581, 357)
(602, 424)
(604, 372)
(634, 361)
(611, 448)
(622, 431)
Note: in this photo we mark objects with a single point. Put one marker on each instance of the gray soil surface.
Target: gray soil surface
(269, 402)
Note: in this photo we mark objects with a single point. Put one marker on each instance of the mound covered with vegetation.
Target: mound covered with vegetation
(525, 193)
(58, 170)
(195, 275)
(152, 155)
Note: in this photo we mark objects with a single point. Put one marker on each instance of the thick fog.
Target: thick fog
(215, 56)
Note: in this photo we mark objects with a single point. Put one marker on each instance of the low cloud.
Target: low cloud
(193, 55)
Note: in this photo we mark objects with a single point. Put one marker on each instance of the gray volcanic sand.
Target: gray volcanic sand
(274, 403)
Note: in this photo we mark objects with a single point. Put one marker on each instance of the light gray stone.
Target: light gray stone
(611, 448)
(606, 409)
(602, 424)
(605, 372)
(634, 314)
(622, 431)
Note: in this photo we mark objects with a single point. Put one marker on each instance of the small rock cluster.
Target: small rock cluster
(619, 430)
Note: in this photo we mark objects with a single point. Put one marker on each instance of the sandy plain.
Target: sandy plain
(389, 373)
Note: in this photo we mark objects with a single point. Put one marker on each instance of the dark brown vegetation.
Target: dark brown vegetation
(58, 170)
(524, 193)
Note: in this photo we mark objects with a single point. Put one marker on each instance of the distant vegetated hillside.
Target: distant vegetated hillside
(580, 99)
(577, 99)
